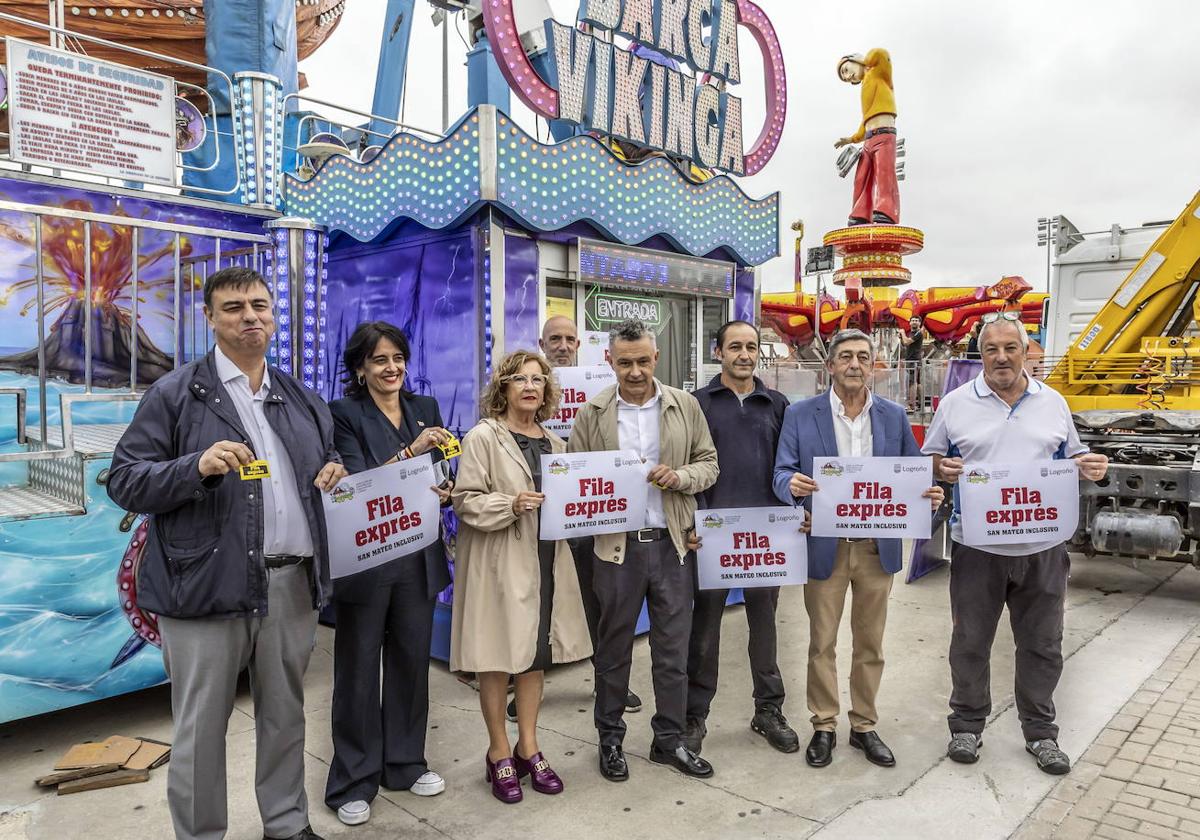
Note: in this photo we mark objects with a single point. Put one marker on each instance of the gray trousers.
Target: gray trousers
(203, 657)
(652, 572)
(1034, 588)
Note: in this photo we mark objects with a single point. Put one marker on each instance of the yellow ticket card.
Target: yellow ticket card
(452, 448)
(255, 469)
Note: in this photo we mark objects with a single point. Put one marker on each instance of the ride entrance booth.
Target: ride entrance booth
(683, 298)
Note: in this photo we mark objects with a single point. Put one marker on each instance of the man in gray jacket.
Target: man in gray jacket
(667, 429)
(234, 563)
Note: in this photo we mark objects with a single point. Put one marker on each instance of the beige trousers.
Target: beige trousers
(856, 568)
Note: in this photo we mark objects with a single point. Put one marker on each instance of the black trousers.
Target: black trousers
(381, 744)
(704, 648)
(1034, 589)
(652, 572)
(585, 558)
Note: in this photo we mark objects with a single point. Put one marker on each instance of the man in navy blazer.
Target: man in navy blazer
(849, 422)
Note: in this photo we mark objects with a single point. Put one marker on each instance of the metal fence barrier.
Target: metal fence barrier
(915, 385)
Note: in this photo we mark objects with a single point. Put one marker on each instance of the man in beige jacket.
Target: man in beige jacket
(666, 427)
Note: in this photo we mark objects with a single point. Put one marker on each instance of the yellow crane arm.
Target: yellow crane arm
(1136, 352)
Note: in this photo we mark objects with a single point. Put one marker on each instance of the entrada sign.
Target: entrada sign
(638, 94)
(611, 309)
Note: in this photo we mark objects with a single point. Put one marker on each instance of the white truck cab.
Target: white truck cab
(1088, 268)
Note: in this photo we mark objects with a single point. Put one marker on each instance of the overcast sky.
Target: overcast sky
(1011, 111)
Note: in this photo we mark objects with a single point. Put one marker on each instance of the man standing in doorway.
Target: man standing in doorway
(744, 417)
(1006, 416)
(848, 422)
(666, 428)
(234, 565)
(560, 341)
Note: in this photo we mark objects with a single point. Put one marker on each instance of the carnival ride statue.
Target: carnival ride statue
(876, 193)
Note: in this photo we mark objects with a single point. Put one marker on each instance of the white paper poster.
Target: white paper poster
(1032, 502)
(748, 547)
(590, 493)
(579, 384)
(593, 348)
(381, 514)
(872, 498)
(72, 111)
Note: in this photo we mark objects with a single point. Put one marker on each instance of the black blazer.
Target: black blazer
(365, 439)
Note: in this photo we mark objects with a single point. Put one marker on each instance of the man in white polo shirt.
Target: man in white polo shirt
(1006, 416)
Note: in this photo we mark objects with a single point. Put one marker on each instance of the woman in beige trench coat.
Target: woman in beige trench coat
(517, 606)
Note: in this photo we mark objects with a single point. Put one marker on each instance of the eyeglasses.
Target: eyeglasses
(538, 380)
(1007, 315)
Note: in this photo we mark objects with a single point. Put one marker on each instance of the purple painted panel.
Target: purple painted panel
(743, 296)
(427, 289)
(521, 328)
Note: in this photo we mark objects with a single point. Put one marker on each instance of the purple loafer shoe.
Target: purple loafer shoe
(545, 780)
(506, 784)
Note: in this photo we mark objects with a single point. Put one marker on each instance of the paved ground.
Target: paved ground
(1141, 776)
(1128, 634)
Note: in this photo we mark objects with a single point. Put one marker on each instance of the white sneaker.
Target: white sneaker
(355, 813)
(430, 784)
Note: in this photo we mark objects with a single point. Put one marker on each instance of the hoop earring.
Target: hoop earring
(362, 380)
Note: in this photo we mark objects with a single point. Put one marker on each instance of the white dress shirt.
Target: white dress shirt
(285, 526)
(637, 429)
(853, 436)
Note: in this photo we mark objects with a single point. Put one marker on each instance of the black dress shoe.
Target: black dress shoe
(305, 833)
(612, 764)
(820, 749)
(873, 748)
(683, 760)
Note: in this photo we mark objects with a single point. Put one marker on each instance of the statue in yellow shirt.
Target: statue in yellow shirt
(876, 193)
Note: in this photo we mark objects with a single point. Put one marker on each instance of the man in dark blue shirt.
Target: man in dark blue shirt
(744, 417)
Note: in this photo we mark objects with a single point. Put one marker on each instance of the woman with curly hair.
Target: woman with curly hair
(517, 606)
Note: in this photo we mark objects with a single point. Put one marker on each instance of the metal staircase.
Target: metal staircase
(56, 457)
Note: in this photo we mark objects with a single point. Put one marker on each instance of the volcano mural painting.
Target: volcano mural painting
(64, 261)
